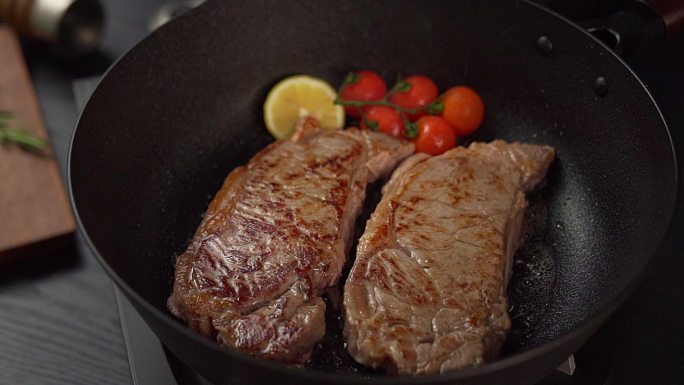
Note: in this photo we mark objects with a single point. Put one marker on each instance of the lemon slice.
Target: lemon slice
(296, 97)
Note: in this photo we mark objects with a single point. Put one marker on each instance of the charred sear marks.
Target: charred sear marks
(427, 292)
(273, 240)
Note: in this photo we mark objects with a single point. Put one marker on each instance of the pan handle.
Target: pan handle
(639, 24)
(671, 13)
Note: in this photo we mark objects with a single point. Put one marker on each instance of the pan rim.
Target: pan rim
(587, 325)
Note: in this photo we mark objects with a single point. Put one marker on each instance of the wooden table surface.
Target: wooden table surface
(59, 322)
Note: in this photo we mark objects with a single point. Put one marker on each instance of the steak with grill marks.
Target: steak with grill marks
(427, 291)
(275, 237)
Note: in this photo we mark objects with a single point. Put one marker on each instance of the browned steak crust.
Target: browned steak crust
(275, 237)
(427, 290)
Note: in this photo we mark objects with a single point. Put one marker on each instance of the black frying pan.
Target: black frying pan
(178, 112)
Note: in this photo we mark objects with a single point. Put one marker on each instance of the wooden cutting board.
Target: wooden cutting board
(35, 217)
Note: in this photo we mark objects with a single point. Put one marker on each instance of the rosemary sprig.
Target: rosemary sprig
(21, 138)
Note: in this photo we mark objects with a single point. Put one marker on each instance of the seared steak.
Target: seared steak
(275, 237)
(427, 290)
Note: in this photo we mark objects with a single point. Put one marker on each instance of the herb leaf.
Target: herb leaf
(411, 130)
(402, 86)
(372, 124)
(21, 138)
(351, 78)
(24, 139)
(435, 108)
(399, 86)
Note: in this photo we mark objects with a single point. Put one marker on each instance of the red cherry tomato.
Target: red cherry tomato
(421, 92)
(362, 85)
(464, 109)
(435, 135)
(384, 119)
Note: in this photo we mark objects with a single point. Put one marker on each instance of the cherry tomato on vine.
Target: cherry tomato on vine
(435, 135)
(464, 109)
(384, 119)
(362, 85)
(420, 91)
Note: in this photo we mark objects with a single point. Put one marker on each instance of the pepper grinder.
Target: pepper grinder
(73, 27)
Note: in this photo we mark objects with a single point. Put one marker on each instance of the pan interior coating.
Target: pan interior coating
(182, 109)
